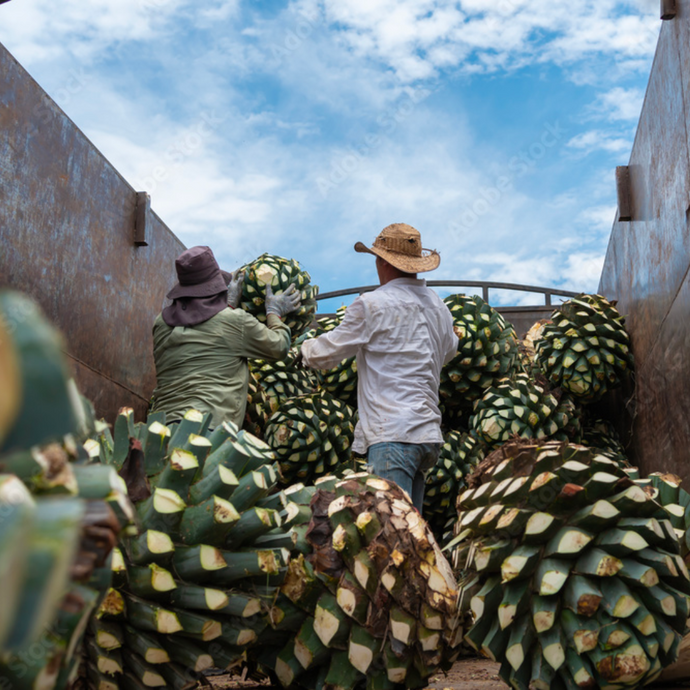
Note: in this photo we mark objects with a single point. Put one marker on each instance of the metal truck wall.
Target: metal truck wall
(67, 226)
(648, 259)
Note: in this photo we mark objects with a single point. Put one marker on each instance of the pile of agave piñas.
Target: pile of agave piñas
(283, 380)
(460, 454)
(311, 436)
(231, 571)
(487, 352)
(573, 567)
(60, 514)
(536, 391)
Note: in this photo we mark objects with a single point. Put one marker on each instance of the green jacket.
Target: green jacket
(204, 367)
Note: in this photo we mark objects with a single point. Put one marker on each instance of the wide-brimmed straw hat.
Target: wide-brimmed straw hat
(401, 246)
(198, 274)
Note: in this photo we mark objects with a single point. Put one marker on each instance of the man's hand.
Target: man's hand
(299, 358)
(235, 289)
(282, 304)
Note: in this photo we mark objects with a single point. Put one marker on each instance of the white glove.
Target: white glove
(235, 289)
(284, 303)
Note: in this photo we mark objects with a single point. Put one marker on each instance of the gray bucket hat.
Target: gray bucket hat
(198, 274)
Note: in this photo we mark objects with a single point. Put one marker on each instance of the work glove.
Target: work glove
(298, 362)
(235, 289)
(282, 304)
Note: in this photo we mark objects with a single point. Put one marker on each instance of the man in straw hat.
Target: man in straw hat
(201, 342)
(402, 334)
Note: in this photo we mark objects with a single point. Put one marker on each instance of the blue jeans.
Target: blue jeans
(405, 464)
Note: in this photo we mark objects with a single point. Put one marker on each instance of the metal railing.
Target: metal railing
(485, 288)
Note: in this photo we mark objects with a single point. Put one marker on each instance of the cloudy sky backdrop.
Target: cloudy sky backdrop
(300, 126)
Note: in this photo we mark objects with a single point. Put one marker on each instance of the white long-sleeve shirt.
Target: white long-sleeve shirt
(402, 334)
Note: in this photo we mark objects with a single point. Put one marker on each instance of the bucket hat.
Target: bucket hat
(401, 246)
(198, 274)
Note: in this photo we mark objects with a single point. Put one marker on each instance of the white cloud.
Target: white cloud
(509, 267)
(621, 104)
(81, 28)
(595, 140)
(265, 197)
(219, 11)
(582, 271)
(576, 271)
(598, 27)
(201, 195)
(416, 38)
(598, 217)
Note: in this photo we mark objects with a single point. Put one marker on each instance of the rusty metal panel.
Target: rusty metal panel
(662, 408)
(659, 254)
(67, 221)
(648, 260)
(681, 25)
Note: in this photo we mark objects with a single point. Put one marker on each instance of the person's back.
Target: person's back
(399, 367)
(204, 367)
(402, 334)
(201, 344)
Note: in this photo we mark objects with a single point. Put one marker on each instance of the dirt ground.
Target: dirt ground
(466, 674)
(470, 674)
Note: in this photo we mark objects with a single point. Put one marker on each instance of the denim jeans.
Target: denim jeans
(405, 464)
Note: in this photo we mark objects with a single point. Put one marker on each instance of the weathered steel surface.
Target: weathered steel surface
(66, 237)
(648, 260)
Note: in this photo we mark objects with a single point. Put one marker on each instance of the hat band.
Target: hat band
(400, 245)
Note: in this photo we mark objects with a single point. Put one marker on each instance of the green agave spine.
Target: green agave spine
(487, 351)
(519, 407)
(586, 349)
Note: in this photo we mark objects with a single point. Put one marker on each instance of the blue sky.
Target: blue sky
(300, 127)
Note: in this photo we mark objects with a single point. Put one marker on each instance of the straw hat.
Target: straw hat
(401, 246)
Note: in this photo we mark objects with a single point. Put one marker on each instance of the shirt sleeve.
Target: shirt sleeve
(342, 342)
(452, 341)
(270, 342)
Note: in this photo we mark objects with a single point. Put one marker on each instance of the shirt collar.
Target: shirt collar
(414, 282)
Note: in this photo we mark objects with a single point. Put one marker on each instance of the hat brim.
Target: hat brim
(214, 286)
(429, 261)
